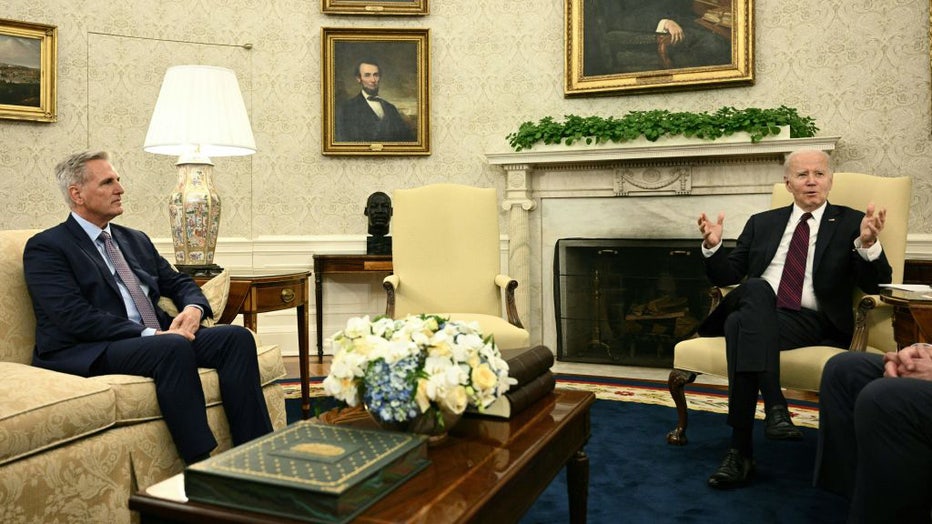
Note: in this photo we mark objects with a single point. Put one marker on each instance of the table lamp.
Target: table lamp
(199, 114)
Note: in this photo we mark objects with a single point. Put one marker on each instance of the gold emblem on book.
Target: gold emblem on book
(319, 448)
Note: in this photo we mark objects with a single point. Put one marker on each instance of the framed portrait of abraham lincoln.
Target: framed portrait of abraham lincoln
(376, 92)
(633, 46)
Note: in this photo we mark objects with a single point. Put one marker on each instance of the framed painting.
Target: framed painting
(28, 60)
(376, 92)
(632, 46)
(375, 7)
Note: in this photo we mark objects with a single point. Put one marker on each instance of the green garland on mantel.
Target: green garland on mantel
(654, 124)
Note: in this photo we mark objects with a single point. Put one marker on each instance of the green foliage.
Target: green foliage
(652, 125)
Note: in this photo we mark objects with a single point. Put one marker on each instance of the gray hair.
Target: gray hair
(789, 160)
(72, 171)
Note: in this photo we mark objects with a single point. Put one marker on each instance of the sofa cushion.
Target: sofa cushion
(17, 321)
(40, 409)
(217, 289)
(135, 396)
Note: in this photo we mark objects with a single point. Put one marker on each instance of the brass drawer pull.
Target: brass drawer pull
(287, 295)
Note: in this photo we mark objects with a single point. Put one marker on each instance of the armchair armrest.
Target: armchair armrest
(861, 324)
(390, 284)
(508, 285)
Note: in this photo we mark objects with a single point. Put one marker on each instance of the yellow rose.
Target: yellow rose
(483, 377)
(420, 396)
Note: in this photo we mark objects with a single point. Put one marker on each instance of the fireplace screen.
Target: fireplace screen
(627, 301)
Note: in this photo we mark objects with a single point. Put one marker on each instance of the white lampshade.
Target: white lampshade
(200, 110)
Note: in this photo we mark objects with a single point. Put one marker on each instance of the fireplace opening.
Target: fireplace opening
(627, 301)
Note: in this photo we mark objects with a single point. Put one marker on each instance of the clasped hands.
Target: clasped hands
(913, 361)
(185, 324)
(871, 226)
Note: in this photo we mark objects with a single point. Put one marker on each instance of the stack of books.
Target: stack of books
(531, 368)
(309, 471)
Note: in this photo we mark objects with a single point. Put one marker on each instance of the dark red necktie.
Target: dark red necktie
(790, 294)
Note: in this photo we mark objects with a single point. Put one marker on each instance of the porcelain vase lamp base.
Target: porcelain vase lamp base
(194, 214)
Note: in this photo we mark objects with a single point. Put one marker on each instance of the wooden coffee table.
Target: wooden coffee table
(488, 470)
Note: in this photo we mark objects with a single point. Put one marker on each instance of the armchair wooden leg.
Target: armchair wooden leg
(677, 384)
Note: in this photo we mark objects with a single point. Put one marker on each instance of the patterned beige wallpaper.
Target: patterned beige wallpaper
(860, 67)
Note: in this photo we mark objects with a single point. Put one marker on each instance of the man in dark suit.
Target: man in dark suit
(793, 294)
(367, 117)
(95, 286)
(875, 433)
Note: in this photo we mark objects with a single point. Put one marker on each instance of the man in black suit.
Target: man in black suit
(767, 313)
(95, 286)
(367, 117)
(875, 433)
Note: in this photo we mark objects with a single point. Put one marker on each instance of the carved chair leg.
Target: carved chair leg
(677, 384)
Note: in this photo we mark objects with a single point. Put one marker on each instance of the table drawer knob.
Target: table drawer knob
(287, 295)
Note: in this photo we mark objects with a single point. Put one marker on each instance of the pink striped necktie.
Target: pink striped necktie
(143, 304)
(790, 294)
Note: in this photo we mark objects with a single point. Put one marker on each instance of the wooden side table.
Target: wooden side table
(345, 264)
(251, 294)
(912, 315)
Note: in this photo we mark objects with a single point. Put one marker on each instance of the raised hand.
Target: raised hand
(711, 231)
(872, 225)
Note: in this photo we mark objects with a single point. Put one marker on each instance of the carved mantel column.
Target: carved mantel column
(517, 202)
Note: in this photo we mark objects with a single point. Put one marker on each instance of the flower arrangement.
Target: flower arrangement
(402, 369)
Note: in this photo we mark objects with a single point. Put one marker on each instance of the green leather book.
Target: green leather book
(309, 471)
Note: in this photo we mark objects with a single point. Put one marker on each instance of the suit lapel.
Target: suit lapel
(90, 250)
(827, 228)
(775, 234)
(132, 259)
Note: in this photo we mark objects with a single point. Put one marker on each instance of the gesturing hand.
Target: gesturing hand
(872, 225)
(711, 231)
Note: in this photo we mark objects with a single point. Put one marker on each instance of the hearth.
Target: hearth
(627, 301)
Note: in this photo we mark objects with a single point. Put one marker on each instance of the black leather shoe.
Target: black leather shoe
(736, 471)
(779, 426)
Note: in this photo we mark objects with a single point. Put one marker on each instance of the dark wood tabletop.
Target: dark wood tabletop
(487, 470)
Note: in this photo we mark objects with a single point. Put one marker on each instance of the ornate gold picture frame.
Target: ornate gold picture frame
(631, 46)
(28, 61)
(376, 92)
(375, 7)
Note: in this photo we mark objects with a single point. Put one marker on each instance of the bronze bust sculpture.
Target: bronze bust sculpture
(379, 211)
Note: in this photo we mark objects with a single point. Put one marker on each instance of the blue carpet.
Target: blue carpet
(635, 476)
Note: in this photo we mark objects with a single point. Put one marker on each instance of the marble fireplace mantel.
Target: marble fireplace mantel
(582, 187)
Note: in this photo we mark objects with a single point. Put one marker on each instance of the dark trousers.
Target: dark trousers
(875, 440)
(755, 333)
(172, 362)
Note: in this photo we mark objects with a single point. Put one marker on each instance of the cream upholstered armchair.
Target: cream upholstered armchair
(801, 368)
(446, 260)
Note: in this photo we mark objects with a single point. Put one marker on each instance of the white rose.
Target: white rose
(455, 400)
(357, 327)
